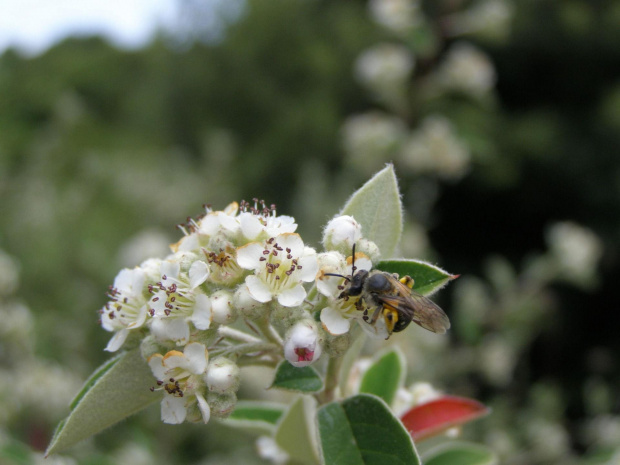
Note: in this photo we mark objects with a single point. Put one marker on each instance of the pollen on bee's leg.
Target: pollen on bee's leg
(407, 281)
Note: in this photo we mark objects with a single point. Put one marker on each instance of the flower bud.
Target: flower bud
(336, 346)
(222, 307)
(221, 405)
(341, 233)
(247, 305)
(285, 317)
(302, 346)
(222, 375)
(369, 248)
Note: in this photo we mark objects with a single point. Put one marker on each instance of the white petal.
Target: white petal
(291, 241)
(187, 244)
(209, 225)
(173, 410)
(251, 226)
(362, 262)
(130, 281)
(197, 357)
(202, 315)
(117, 340)
(258, 289)
(328, 285)
(204, 408)
(249, 255)
(198, 273)
(175, 359)
(309, 268)
(292, 297)
(281, 224)
(157, 367)
(140, 318)
(175, 329)
(170, 269)
(229, 223)
(333, 321)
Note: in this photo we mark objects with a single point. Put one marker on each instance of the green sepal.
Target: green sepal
(116, 390)
(361, 430)
(300, 379)
(384, 376)
(377, 207)
(427, 278)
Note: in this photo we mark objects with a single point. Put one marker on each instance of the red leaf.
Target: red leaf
(431, 418)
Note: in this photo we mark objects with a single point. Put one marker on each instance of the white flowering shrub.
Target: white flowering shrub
(241, 288)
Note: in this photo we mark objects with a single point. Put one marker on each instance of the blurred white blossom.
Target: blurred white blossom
(385, 69)
(370, 139)
(576, 250)
(399, 16)
(467, 69)
(436, 148)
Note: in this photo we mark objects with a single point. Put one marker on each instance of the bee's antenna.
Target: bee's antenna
(353, 260)
(338, 275)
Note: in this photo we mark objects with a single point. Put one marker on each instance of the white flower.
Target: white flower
(301, 345)
(180, 376)
(224, 267)
(341, 233)
(281, 264)
(341, 308)
(127, 308)
(261, 226)
(467, 69)
(371, 137)
(177, 300)
(396, 15)
(269, 450)
(384, 66)
(198, 233)
(435, 147)
(576, 249)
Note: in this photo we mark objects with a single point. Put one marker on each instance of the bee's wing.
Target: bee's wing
(423, 311)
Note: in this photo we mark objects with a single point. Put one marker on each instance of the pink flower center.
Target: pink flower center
(304, 355)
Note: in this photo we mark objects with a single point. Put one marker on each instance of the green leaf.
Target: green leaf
(460, 453)
(301, 379)
(362, 430)
(296, 431)
(118, 389)
(384, 376)
(377, 207)
(427, 278)
(256, 416)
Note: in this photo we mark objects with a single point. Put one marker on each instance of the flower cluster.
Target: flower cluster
(239, 288)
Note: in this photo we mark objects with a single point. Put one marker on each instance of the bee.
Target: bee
(392, 297)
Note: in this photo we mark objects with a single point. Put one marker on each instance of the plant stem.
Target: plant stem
(331, 380)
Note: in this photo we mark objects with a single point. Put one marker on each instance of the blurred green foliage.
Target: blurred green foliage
(100, 146)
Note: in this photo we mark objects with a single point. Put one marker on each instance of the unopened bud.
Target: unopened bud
(222, 307)
(222, 375)
(247, 305)
(341, 233)
(221, 405)
(302, 346)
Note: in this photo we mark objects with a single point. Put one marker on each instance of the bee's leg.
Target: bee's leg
(375, 316)
(407, 281)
